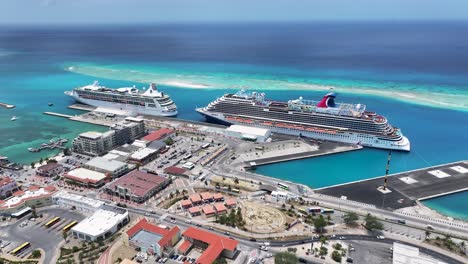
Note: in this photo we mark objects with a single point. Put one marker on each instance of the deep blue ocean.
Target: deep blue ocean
(416, 74)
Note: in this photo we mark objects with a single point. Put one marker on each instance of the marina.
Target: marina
(52, 144)
(406, 188)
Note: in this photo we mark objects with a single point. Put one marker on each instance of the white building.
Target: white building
(405, 254)
(81, 203)
(248, 133)
(279, 196)
(144, 155)
(114, 168)
(86, 177)
(102, 224)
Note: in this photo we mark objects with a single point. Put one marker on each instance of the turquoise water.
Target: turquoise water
(453, 205)
(416, 75)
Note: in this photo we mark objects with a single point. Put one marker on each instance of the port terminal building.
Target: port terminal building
(248, 133)
(21, 201)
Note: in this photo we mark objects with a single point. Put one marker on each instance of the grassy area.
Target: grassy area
(7, 261)
(448, 244)
(86, 253)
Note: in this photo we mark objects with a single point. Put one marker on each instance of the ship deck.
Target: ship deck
(406, 187)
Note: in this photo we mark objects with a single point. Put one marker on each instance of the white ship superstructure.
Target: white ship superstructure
(126, 99)
(323, 120)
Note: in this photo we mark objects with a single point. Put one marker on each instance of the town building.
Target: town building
(220, 208)
(50, 170)
(196, 199)
(97, 143)
(194, 211)
(248, 133)
(231, 203)
(137, 186)
(75, 201)
(153, 239)
(206, 197)
(186, 204)
(218, 197)
(7, 186)
(113, 168)
(208, 210)
(86, 177)
(102, 224)
(21, 201)
(176, 171)
(279, 196)
(159, 135)
(213, 245)
(143, 156)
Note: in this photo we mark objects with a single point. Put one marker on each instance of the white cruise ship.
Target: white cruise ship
(323, 120)
(126, 99)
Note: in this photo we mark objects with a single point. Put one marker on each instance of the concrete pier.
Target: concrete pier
(58, 114)
(406, 187)
(82, 107)
(300, 152)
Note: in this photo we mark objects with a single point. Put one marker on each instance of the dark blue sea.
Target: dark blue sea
(416, 74)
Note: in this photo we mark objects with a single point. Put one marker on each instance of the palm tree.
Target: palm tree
(428, 233)
(323, 240)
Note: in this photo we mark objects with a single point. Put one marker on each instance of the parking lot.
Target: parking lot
(37, 233)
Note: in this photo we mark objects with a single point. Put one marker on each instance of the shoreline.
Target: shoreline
(441, 100)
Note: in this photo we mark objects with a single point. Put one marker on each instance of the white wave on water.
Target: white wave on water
(442, 98)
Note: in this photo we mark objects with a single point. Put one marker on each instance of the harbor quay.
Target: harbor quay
(405, 188)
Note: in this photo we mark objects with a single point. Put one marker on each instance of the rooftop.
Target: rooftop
(100, 222)
(143, 153)
(89, 202)
(220, 207)
(248, 130)
(105, 164)
(138, 183)
(48, 167)
(218, 196)
(158, 134)
(174, 170)
(193, 210)
(230, 202)
(4, 180)
(85, 175)
(216, 244)
(148, 234)
(206, 196)
(91, 135)
(208, 209)
(28, 194)
(195, 197)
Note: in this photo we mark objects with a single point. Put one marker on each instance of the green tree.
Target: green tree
(67, 152)
(64, 234)
(36, 254)
(40, 161)
(323, 251)
(373, 223)
(350, 218)
(285, 258)
(320, 224)
(32, 165)
(323, 240)
(236, 181)
(336, 256)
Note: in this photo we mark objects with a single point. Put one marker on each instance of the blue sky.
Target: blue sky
(138, 11)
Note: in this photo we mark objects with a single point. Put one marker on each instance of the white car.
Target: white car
(380, 237)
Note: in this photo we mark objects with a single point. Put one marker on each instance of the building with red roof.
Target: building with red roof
(220, 208)
(49, 170)
(186, 204)
(206, 197)
(195, 198)
(137, 186)
(213, 245)
(86, 177)
(160, 134)
(21, 201)
(185, 247)
(173, 170)
(152, 238)
(218, 197)
(231, 203)
(194, 211)
(7, 186)
(208, 210)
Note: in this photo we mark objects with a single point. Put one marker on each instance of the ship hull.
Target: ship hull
(366, 140)
(130, 109)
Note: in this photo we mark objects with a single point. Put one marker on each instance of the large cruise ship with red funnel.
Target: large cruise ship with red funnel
(323, 120)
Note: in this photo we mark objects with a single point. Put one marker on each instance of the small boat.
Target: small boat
(50, 104)
(13, 118)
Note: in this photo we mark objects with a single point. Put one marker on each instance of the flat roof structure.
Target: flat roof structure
(102, 221)
(91, 134)
(406, 254)
(49, 167)
(174, 170)
(85, 175)
(220, 207)
(146, 234)
(195, 198)
(248, 130)
(137, 183)
(143, 153)
(216, 244)
(158, 134)
(208, 209)
(106, 164)
(78, 199)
